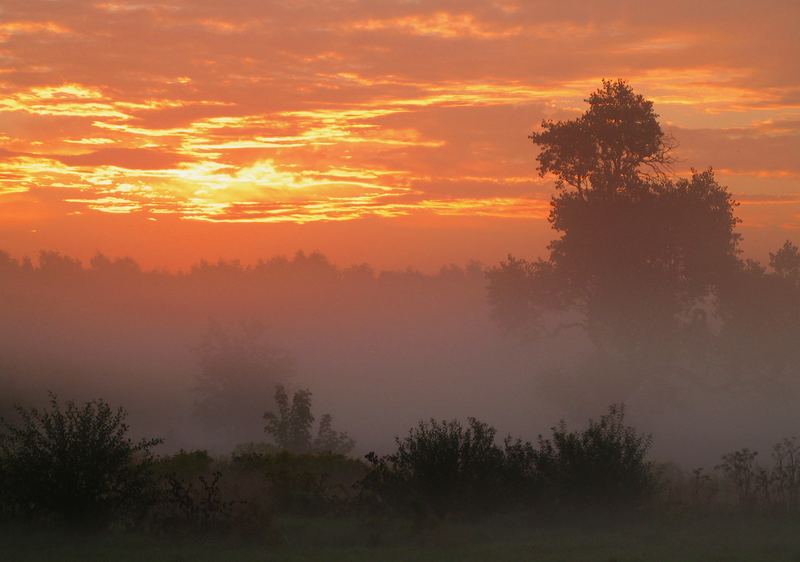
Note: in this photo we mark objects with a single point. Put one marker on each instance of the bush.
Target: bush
(197, 509)
(303, 484)
(184, 464)
(775, 488)
(197, 499)
(75, 464)
(445, 469)
(603, 465)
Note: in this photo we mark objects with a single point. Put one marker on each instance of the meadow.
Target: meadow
(682, 539)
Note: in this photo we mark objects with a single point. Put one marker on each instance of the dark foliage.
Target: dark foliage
(604, 465)
(760, 309)
(304, 484)
(775, 487)
(202, 495)
(195, 506)
(184, 464)
(637, 252)
(607, 146)
(444, 468)
(76, 464)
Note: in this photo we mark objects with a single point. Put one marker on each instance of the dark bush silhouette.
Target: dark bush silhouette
(195, 506)
(602, 465)
(77, 464)
(443, 468)
(775, 487)
(290, 427)
(184, 464)
(202, 495)
(742, 471)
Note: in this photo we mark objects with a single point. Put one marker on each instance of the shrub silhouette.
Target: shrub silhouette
(184, 464)
(603, 465)
(446, 469)
(75, 463)
(775, 487)
(198, 509)
(204, 495)
(740, 468)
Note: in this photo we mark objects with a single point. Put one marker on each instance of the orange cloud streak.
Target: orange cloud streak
(220, 114)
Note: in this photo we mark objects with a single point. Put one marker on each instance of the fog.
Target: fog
(380, 350)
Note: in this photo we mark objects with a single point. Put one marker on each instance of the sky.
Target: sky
(389, 132)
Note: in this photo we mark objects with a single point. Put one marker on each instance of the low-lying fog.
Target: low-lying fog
(379, 350)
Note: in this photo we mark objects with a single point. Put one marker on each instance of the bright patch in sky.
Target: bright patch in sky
(293, 112)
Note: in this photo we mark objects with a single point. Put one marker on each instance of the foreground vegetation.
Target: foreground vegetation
(75, 486)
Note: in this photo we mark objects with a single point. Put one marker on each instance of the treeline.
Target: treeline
(77, 465)
(54, 265)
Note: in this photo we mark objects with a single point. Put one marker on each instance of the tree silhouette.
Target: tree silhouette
(786, 262)
(290, 427)
(607, 147)
(760, 310)
(637, 251)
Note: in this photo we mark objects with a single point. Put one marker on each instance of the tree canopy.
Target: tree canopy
(642, 258)
(606, 148)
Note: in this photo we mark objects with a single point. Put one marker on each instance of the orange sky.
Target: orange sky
(389, 132)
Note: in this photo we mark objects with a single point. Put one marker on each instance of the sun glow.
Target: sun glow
(391, 112)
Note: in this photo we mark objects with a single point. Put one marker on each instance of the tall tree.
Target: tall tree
(637, 251)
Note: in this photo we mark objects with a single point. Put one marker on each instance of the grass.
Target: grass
(723, 539)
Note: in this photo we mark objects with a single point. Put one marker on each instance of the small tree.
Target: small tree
(741, 469)
(786, 262)
(290, 427)
(329, 440)
(75, 463)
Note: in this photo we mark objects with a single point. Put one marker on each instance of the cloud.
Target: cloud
(133, 158)
(267, 111)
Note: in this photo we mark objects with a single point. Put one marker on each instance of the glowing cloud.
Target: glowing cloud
(215, 113)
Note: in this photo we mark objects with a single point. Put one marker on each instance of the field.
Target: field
(710, 539)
